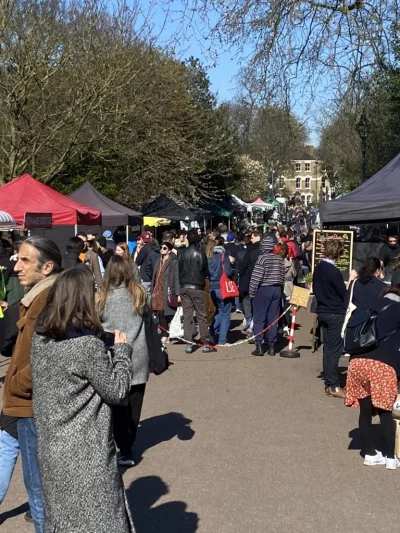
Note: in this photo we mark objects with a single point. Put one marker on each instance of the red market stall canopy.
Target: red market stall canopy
(113, 214)
(26, 195)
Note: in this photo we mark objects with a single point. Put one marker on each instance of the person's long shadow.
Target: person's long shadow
(170, 517)
(162, 428)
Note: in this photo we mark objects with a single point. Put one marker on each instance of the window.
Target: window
(298, 167)
(298, 183)
(281, 182)
(307, 167)
(309, 199)
(308, 183)
(323, 182)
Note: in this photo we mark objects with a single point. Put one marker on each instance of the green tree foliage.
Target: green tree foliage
(85, 95)
(340, 145)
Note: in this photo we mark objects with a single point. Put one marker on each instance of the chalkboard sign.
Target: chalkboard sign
(344, 264)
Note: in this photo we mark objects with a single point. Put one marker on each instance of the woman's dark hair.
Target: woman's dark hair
(367, 271)
(48, 251)
(284, 251)
(219, 241)
(391, 289)
(70, 305)
(75, 246)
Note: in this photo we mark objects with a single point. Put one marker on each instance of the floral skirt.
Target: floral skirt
(367, 377)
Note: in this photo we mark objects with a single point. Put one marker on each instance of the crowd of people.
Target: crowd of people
(76, 334)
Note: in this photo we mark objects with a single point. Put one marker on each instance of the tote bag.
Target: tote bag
(229, 289)
(350, 308)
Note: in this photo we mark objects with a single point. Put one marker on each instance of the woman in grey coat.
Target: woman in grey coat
(121, 303)
(75, 381)
(165, 282)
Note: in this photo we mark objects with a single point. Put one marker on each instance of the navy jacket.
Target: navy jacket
(366, 295)
(329, 289)
(388, 351)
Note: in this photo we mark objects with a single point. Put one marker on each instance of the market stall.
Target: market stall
(42, 210)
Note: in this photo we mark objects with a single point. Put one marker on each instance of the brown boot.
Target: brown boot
(335, 392)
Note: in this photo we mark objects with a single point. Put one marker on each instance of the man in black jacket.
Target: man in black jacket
(245, 271)
(193, 271)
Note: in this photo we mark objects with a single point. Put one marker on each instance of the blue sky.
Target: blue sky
(222, 65)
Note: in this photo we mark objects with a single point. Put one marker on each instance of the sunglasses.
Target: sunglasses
(164, 247)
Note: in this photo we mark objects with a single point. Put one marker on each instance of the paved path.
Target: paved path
(231, 443)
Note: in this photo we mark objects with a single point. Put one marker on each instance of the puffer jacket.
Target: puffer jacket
(293, 253)
(269, 268)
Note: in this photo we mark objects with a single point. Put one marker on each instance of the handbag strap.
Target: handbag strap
(352, 290)
(222, 263)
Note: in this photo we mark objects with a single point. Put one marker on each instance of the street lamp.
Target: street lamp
(272, 186)
(363, 125)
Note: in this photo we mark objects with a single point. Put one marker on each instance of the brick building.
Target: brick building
(306, 180)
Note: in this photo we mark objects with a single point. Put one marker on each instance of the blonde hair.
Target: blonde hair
(119, 272)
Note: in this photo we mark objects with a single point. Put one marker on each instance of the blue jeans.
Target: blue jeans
(27, 439)
(266, 307)
(9, 450)
(222, 317)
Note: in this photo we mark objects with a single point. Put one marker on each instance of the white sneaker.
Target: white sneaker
(374, 460)
(286, 331)
(392, 464)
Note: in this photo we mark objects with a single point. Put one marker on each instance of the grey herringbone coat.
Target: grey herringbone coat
(119, 314)
(75, 382)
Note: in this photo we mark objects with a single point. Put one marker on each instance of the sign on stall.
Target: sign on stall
(38, 220)
(344, 264)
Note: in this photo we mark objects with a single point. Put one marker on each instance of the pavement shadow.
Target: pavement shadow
(170, 517)
(162, 428)
(21, 509)
(355, 443)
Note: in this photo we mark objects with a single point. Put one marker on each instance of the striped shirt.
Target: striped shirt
(269, 268)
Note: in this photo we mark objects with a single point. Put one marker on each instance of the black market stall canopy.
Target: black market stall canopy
(164, 207)
(113, 214)
(375, 200)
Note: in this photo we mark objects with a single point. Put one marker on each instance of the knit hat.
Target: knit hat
(107, 234)
(230, 237)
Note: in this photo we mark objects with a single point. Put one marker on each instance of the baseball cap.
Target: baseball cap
(230, 237)
(146, 236)
(107, 234)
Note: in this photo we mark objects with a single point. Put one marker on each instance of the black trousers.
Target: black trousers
(331, 325)
(388, 429)
(164, 322)
(126, 419)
